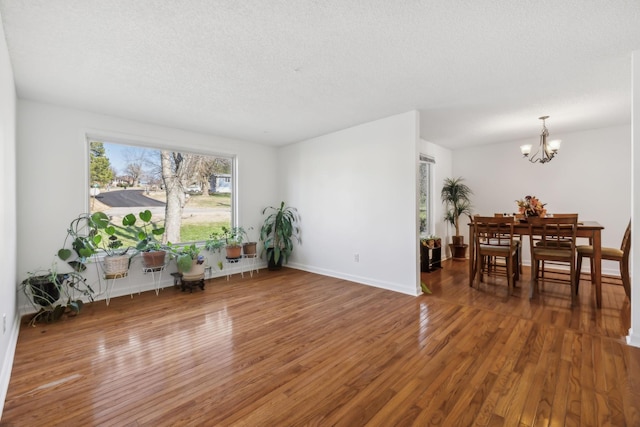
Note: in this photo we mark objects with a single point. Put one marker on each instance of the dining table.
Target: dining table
(586, 229)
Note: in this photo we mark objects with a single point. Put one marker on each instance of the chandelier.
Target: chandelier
(547, 150)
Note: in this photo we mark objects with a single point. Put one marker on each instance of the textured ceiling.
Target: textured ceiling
(281, 71)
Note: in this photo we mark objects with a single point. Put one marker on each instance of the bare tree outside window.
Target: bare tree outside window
(188, 193)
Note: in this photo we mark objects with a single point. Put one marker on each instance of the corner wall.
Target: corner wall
(355, 191)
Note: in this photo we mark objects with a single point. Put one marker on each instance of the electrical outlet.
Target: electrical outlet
(356, 257)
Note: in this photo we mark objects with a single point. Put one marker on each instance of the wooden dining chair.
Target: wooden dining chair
(553, 240)
(620, 255)
(517, 238)
(561, 242)
(494, 238)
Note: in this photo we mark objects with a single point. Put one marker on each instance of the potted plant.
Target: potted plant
(429, 242)
(54, 294)
(455, 196)
(249, 249)
(153, 251)
(214, 244)
(116, 261)
(83, 235)
(190, 263)
(278, 232)
(234, 237)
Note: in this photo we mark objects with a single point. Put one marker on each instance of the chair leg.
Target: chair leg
(539, 274)
(479, 262)
(626, 279)
(574, 288)
(510, 275)
(578, 269)
(534, 279)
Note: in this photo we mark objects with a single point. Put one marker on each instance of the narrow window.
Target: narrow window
(427, 225)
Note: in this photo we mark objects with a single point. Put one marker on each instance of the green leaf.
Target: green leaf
(424, 288)
(100, 219)
(64, 254)
(146, 215)
(78, 266)
(184, 263)
(128, 220)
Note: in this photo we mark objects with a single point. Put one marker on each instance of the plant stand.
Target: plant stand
(111, 280)
(178, 281)
(153, 271)
(250, 261)
(430, 258)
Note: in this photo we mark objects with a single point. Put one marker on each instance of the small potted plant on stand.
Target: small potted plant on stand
(278, 232)
(190, 263)
(116, 261)
(249, 249)
(153, 252)
(234, 237)
(191, 266)
(455, 196)
(84, 234)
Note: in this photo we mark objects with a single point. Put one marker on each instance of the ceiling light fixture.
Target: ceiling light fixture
(547, 150)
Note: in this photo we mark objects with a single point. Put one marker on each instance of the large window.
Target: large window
(190, 194)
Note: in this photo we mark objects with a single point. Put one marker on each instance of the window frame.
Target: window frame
(154, 144)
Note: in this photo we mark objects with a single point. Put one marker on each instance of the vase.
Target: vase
(195, 273)
(153, 259)
(116, 266)
(249, 249)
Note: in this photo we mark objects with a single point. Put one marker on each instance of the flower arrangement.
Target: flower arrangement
(531, 206)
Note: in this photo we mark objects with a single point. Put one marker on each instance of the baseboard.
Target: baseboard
(633, 339)
(396, 287)
(7, 366)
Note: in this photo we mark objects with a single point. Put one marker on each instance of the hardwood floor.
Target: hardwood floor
(295, 348)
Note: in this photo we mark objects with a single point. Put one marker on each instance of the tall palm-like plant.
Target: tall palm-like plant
(278, 232)
(455, 196)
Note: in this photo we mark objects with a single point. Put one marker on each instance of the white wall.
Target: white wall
(52, 177)
(356, 193)
(9, 321)
(442, 170)
(634, 331)
(591, 175)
